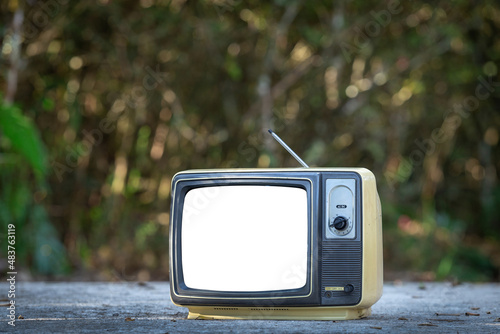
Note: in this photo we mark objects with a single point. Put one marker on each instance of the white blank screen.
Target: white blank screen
(244, 238)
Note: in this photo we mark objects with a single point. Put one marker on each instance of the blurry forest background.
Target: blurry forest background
(103, 101)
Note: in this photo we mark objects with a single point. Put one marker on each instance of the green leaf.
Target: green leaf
(24, 137)
(313, 36)
(19, 201)
(48, 104)
(233, 69)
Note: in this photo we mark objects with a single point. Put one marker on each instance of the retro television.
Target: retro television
(294, 243)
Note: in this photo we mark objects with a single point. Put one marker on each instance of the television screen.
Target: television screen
(245, 238)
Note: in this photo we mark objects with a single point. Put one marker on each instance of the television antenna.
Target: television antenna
(279, 140)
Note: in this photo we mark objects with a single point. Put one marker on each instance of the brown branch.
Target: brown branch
(15, 56)
(286, 82)
(264, 82)
(293, 76)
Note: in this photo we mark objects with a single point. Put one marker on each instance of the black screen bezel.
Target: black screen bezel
(306, 295)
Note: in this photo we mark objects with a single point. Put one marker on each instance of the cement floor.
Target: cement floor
(132, 307)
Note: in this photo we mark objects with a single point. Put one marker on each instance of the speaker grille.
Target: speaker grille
(341, 264)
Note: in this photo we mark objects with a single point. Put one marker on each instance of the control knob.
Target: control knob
(340, 223)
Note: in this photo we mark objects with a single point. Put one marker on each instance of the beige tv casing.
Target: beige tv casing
(372, 262)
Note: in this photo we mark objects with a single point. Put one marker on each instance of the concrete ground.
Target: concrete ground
(133, 307)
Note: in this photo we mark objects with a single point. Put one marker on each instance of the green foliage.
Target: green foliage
(145, 232)
(154, 87)
(37, 241)
(23, 137)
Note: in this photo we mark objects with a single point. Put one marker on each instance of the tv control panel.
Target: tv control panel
(340, 208)
(341, 249)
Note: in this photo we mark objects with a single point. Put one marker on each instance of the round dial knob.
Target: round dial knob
(340, 223)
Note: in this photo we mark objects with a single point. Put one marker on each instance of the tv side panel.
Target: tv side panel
(372, 242)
